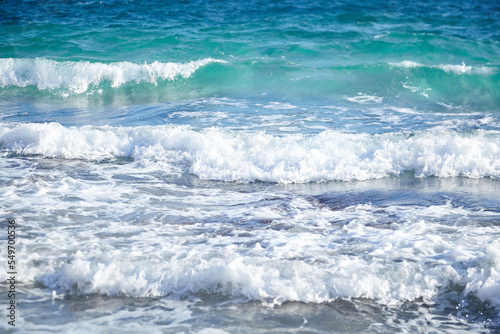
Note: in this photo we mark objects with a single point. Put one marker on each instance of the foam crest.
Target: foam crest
(363, 99)
(484, 282)
(264, 280)
(455, 69)
(78, 77)
(218, 154)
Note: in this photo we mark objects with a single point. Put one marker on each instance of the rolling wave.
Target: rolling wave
(79, 76)
(218, 154)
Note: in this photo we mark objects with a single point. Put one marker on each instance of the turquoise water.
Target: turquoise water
(217, 166)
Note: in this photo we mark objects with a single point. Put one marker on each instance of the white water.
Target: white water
(455, 69)
(218, 154)
(78, 77)
(155, 242)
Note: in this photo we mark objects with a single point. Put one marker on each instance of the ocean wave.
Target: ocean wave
(218, 154)
(168, 81)
(78, 76)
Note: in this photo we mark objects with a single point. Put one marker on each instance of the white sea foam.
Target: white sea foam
(406, 64)
(78, 77)
(218, 154)
(456, 69)
(317, 260)
(419, 90)
(146, 237)
(463, 69)
(484, 281)
(206, 115)
(363, 98)
(279, 106)
(226, 102)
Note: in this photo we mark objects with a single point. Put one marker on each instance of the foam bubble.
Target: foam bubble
(78, 77)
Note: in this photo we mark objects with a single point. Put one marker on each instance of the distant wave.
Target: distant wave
(218, 154)
(68, 78)
(79, 76)
(456, 69)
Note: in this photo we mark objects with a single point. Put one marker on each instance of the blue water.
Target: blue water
(217, 166)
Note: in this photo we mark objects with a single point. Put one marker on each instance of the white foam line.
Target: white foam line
(79, 76)
(456, 69)
(219, 154)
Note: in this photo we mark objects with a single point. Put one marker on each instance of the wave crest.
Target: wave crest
(455, 69)
(218, 154)
(78, 77)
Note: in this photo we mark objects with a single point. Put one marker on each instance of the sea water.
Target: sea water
(254, 167)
